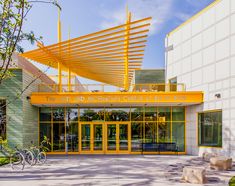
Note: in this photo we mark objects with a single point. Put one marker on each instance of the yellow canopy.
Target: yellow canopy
(105, 56)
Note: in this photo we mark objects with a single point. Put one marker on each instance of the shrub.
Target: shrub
(232, 181)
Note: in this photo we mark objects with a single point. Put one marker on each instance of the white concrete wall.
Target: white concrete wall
(204, 59)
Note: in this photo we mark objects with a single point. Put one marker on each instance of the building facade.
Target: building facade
(201, 54)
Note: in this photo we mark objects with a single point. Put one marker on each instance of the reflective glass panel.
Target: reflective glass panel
(164, 132)
(58, 114)
(3, 119)
(58, 137)
(86, 136)
(123, 136)
(45, 135)
(72, 137)
(92, 114)
(45, 114)
(137, 114)
(136, 136)
(150, 114)
(98, 136)
(111, 134)
(178, 114)
(164, 114)
(117, 114)
(210, 129)
(150, 132)
(71, 114)
(178, 134)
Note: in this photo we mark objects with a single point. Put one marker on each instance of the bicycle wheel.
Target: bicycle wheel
(29, 158)
(17, 161)
(35, 152)
(42, 157)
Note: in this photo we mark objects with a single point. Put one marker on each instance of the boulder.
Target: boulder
(221, 163)
(206, 156)
(196, 175)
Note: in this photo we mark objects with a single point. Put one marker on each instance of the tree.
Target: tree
(12, 16)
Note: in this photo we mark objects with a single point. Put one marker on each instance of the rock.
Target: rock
(196, 175)
(221, 163)
(206, 156)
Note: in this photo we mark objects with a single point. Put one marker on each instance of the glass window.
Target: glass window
(72, 136)
(136, 136)
(45, 114)
(173, 84)
(164, 114)
(58, 114)
(92, 114)
(150, 134)
(178, 134)
(58, 137)
(71, 114)
(117, 114)
(137, 114)
(210, 129)
(178, 114)
(3, 119)
(164, 132)
(45, 132)
(150, 114)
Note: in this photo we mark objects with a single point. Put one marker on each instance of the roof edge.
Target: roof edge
(194, 17)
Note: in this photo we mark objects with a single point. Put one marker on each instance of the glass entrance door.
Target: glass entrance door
(111, 137)
(91, 138)
(85, 139)
(98, 137)
(118, 138)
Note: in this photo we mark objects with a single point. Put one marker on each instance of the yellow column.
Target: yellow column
(69, 71)
(126, 74)
(59, 62)
(69, 79)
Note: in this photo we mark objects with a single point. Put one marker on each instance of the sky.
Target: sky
(82, 17)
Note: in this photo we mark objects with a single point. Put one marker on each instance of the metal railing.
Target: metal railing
(109, 88)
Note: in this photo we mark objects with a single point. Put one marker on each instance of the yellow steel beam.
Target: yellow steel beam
(126, 72)
(100, 56)
(59, 62)
(118, 34)
(125, 98)
(99, 32)
(99, 41)
(69, 71)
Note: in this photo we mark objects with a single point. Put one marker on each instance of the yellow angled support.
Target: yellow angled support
(109, 56)
(69, 71)
(126, 73)
(59, 63)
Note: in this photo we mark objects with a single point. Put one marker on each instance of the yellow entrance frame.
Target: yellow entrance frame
(104, 132)
(104, 137)
(91, 151)
(118, 151)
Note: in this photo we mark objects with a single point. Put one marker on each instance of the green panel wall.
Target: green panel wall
(150, 76)
(22, 117)
(30, 112)
(9, 90)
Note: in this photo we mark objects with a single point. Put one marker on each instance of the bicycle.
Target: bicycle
(39, 156)
(27, 154)
(40, 152)
(16, 159)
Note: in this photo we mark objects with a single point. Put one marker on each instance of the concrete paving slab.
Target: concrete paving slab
(138, 170)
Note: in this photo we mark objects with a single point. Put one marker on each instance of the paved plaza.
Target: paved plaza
(110, 170)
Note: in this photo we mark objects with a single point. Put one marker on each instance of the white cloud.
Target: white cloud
(159, 10)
